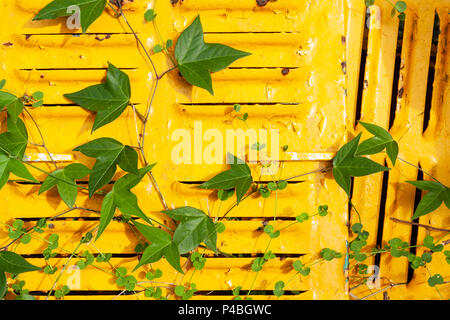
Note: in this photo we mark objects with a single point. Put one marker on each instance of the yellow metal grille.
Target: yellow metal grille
(314, 106)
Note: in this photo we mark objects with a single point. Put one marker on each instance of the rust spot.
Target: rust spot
(344, 67)
(366, 84)
(8, 44)
(400, 93)
(42, 76)
(173, 1)
(261, 3)
(101, 39)
(27, 36)
(343, 40)
(285, 71)
(386, 296)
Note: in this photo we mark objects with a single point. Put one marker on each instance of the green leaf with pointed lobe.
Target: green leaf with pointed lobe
(197, 59)
(90, 10)
(108, 99)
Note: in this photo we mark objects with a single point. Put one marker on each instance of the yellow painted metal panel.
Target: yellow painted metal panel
(302, 79)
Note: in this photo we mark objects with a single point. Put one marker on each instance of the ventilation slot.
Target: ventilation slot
(396, 93)
(362, 83)
(382, 214)
(415, 228)
(431, 71)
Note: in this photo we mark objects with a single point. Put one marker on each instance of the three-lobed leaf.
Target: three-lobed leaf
(346, 165)
(194, 228)
(108, 99)
(109, 153)
(197, 59)
(437, 193)
(382, 140)
(90, 10)
(161, 245)
(121, 197)
(64, 180)
(239, 178)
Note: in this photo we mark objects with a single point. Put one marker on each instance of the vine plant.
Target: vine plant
(195, 230)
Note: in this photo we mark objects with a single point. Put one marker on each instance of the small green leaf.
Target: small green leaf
(278, 290)
(435, 280)
(158, 48)
(369, 2)
(2, 83)
(38, 95)
(400, 6)
(150, 15)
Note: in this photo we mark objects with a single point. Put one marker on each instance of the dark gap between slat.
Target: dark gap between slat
(396, 93)
(362, 83)
(241, 103)
(77, 34)
(261, 182)
(251, 32)
(75, 69)
(114, 293)
(431, 71)
(415, 228)
(382, 214)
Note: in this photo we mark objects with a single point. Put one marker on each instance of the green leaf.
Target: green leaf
(435, 280)
(369, 2)
(108, 99)
(120, 197)
(150, 15)
(90, 10)
(400, 6)
(109, 153)
(158, 48)
(2, 83)
(64, 179)
(437, 193)
(3, 285)
(346, 165)
(197, 59)
(382, 140)
(194, 227)
(10, 165)
(161, 245)
(6, 98)
(13, 263)
(239, 177)
(278, 290)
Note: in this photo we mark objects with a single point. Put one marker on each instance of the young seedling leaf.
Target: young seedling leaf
(197, 59)
(346, 165)
(108, 99)
(90, 10)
